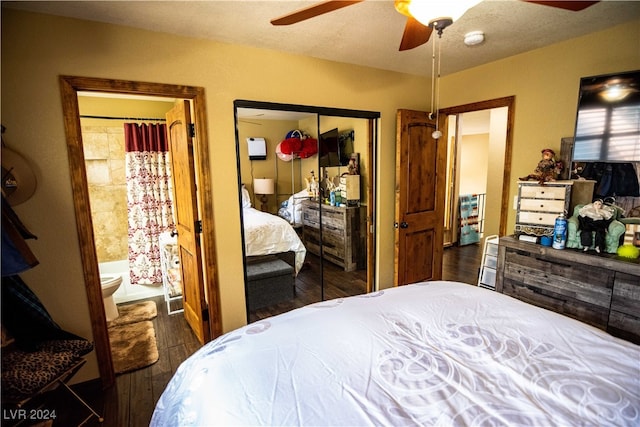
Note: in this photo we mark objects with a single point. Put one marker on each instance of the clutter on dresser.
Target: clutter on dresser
(596, 226)
(538, 205)
(547, 169)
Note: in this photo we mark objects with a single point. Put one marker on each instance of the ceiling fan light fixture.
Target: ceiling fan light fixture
(427, 11)
(474, 38)
(616, 92)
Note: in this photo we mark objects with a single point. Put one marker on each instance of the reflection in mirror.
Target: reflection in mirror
(299, 249)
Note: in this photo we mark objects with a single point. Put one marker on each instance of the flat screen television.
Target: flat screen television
(335, 148)
(608, 119)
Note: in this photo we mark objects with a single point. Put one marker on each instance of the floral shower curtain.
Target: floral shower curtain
(149, 198)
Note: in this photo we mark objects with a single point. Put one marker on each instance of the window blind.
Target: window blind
(608, 134)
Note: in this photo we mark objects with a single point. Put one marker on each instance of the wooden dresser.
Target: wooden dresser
(540, 204)
(343, 233)
(601, 290)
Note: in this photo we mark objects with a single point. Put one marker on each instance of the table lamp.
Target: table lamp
(264, 187)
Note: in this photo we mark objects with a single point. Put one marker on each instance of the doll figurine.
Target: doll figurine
(596, 217)
(312, 185)
(547, 168)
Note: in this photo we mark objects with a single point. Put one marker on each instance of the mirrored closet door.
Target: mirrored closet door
(306, 178)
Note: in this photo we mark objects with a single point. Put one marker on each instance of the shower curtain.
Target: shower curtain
(149, 198)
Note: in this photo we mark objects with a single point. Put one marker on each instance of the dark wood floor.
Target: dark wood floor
(462, 263)
(131, 402)
(338, 284)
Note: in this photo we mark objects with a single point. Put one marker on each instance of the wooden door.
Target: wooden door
(420, 189)
(188, 225)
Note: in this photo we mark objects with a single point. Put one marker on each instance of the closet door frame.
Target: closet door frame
(373, 120)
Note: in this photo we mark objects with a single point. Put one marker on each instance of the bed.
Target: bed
(432, 353)
(266, 234)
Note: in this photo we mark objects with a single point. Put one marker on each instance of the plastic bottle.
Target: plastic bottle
(560, 232)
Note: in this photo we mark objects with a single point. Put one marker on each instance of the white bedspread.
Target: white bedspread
(266, 234)
(435, 353)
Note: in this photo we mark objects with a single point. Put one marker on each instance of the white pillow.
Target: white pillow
(246, 198)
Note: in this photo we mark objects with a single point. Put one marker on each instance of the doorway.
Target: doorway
(102, 119)
(70, 87)
(485, 125)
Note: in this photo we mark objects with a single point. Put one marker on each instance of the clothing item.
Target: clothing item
(26, 318)
(16, 254)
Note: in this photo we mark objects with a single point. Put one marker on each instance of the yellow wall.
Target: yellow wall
(474, 162)
(36, 49)
(545, 83)
(273, 132)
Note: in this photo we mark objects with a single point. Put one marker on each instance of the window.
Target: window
(608, 129)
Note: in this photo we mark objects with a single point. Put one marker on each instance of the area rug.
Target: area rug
(133, 346)
(132, 313)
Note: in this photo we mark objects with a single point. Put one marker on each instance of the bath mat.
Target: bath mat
(133, 346)
(132, 313)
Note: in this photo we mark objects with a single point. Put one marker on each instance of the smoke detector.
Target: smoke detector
(474, 38)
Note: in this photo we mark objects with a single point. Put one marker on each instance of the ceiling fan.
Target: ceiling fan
(417, 31)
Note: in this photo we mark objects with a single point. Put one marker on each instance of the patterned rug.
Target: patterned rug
(133, 346)
(132, 313)
(133, 338)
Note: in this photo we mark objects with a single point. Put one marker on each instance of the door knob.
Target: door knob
(174, 233)
(404, 225)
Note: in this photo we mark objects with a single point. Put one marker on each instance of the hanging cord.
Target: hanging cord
(433, 77)
(438, 80)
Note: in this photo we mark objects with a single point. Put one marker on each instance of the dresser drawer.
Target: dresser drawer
(538, 218)
(333, 220)
(601, 290)
(311, 218)
(542, 205)
(624, 320)
(576, 290)
(543, 192)
(336, 233)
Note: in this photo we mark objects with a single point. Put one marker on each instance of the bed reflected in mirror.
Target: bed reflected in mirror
(299, 249)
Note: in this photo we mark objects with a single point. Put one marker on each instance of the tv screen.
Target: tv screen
(608, 119)
(329, 151)
(335, 148)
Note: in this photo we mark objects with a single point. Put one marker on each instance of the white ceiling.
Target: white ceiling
(366, 34)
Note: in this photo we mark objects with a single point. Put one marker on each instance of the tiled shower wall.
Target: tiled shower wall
(105, 162)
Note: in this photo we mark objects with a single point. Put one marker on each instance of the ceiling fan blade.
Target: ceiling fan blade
(312, 11)
(567, 5)
(415, 34)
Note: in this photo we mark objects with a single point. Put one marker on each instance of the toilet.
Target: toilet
(110, 284)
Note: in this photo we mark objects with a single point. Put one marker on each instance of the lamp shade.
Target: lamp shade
(426, 11)
(263, 186)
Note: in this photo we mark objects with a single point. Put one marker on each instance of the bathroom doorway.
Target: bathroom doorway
(102, 120)
(70, 88)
